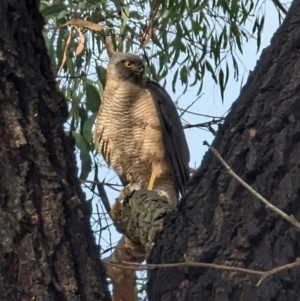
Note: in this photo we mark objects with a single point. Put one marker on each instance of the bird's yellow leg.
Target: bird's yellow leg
(152, 180)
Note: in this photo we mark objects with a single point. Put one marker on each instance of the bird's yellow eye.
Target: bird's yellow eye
(128, 64)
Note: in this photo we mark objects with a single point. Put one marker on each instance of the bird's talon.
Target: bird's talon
(135, 187)
(126, 192)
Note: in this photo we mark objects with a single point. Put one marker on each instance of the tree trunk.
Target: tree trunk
(47, 250)
(219, 221)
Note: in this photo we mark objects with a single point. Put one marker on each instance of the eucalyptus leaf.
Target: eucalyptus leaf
(101, 72)
(86, 164)
(92, 98)
(53, 9)
(87, 128)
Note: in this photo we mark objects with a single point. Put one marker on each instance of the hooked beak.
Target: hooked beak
(139, 69)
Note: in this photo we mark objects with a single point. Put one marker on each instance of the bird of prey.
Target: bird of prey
(139, 130)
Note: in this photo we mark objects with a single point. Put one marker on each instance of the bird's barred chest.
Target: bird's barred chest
(129, 131)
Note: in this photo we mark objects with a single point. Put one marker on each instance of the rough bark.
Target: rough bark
(47, 250)
(139, 217)
(219, 221)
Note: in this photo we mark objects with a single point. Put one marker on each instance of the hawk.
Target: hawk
(139, 130)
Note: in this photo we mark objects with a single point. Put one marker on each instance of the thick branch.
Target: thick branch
(141, 216)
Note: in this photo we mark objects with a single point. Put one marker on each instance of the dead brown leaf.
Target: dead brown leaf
(80, 47)
(65, 53)
(109, 47)
(84, 23)
(147, 37)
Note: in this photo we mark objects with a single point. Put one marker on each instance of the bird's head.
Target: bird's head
(126, 66)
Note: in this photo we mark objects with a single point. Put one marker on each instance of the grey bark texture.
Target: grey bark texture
(219, 221)
(47, 249)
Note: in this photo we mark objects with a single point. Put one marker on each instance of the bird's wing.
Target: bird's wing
(173, 135)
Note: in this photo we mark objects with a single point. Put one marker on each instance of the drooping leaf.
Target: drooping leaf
(80, 141)
(222, 83)
(101, 72)
(92, 97)
(211, 70)
(101, 191)
(124, 16)
(86, 164)
(85, 23)
(53, 9)
(87, 128)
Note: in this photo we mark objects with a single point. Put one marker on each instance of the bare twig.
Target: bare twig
(202, 124)
(149, 65)
(103, 183)
(262, 274)
(281, 268)
(149, 32)
(84, 23)
(212, 130)
(290, 218)
(198, 114)
(142, 267)
(189, 106)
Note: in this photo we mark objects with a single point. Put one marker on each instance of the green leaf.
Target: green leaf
(124, 17)
(63, 33)
(92, 98)
(236, 34)
(54, 9)
(234, 9)
(211, 70)
(255, 25)
(260, 28)
(80, 141)
(221, 84)
(87, 128)
(182, 7)
(101, 72)
(86, 165)
(215, 50)
(225, 39)
(83, 117)
(179, 48)
(236, 68)
(183, 75)
(102, 193)
(75, 110)
(69, 66)
(136, 15)
(156, 41)
(227, 74)
(174, 81)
